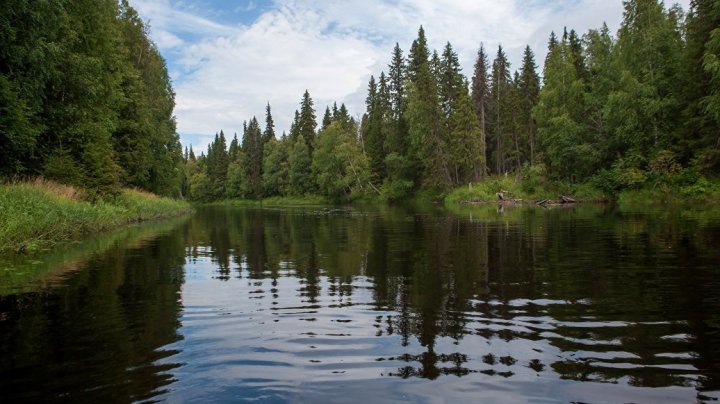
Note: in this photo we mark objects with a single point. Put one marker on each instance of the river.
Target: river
(585, 304)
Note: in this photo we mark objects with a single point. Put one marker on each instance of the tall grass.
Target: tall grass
(39, 213)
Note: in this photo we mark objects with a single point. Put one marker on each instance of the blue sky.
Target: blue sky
(228, 59)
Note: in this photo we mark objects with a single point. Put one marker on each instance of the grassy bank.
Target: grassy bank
(527, 191)
(39, 214)
(311, 200)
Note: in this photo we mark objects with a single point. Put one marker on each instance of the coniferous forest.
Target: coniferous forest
(87, 100)
(620, 111)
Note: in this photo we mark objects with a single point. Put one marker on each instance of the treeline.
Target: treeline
(621, 111)
(85, 97)
(330, 162)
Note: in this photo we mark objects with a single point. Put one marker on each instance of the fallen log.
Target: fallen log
(542, 202)
(566, 199)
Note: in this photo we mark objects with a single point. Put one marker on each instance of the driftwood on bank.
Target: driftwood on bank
(565, 199)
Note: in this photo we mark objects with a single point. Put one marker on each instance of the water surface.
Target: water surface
(591, 304)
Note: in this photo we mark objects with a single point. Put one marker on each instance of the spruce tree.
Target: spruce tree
(252, 147)
(481, 102)
(307, 121)
(499, 116)
(428, 149)
(465, 137)
(327, 119)
(372, 132)
(217, 166)
(529, 92)
(269, 132)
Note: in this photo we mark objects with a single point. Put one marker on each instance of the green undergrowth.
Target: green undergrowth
(40, 214)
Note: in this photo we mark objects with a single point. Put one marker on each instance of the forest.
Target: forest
(87, 100)
(638, 108)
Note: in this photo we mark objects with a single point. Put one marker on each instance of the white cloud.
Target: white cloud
(225, 74)
(166, 40)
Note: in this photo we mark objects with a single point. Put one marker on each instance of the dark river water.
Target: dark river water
(591, 304)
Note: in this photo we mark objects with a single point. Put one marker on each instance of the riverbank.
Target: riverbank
(508, 189)
(311, 200)
(40, 214)
(529, 192)
(516, 190)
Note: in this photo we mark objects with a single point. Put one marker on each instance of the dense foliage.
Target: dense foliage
(636, 109)
(85, 97)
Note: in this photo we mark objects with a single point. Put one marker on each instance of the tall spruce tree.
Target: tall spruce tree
(529, 92)
(269, 132)
(307, 121)
(428, 149)
(252, 147)
(499, 116)
(481, 101)
(327, 119)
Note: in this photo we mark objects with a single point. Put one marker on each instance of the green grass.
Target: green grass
(37, 215)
